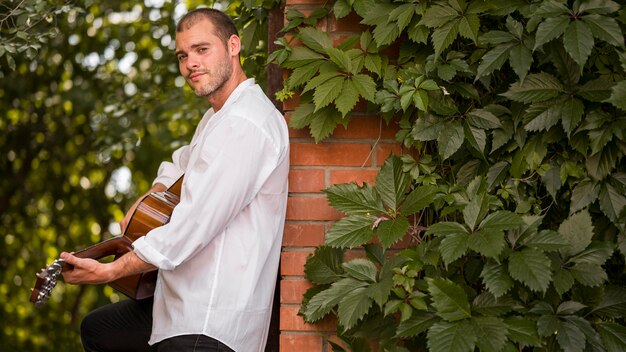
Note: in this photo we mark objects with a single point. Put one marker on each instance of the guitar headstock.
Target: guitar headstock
(46, 280)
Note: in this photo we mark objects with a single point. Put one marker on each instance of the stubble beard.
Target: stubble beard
(218, 79)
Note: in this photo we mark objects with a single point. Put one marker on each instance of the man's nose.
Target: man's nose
(192, 62)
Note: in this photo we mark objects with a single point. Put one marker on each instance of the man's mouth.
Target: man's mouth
(195, 76)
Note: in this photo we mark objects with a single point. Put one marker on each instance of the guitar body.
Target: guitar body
(154, 210)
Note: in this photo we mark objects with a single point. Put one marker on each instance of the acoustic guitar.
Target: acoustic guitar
(154, 210)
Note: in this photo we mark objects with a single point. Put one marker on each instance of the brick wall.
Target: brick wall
(352, 154)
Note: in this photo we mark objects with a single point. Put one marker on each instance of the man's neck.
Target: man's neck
(219, 97)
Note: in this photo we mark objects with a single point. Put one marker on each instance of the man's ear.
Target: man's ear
(234, 45)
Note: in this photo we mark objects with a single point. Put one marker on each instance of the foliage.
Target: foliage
(514, 210)
(91, 103)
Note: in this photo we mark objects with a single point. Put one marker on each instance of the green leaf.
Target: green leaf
(353, 307)
(600, 165)
(612, 202)
(365, 85)
(548, 114)
(324, 266)
(618, 95)
(450, 139)
(599, 6)
(324, 122)
(569, 308)
(549, 29)
(392, 182)
(449, 299)
(487, 304)
(348, 97)
(578, 42)
(605, 28)
(453, 246)
(522, 331)
(315, 39)
(491, 332)
(496, 278)
(535, 88)
(451, 337)
(418, 199)
(521, 59)
(443, 36)
(386, 33)
(352, 199)
(583, 194)
(391, 231)
(562, 280)
(320, 79)
(577, 230)
(501, 220)
(446, 228)
(328, 91)
(426, 128)
(476, 137)
(351, 231)
(303, 74)
(532, 268)
(545, 240)
(613, 304)
(468, 26)
(484, 119)
(301, 56)
(489, 243)
(341, 9)
(361, 269)
(475, 211)
(493, 60)
(591, 275)
(552, 180)
(340, 58)
(571, 113)
(322, 303)
(417, 324)
(570, 337)
(613, 335)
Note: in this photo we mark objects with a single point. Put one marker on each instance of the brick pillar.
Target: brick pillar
(352, 154)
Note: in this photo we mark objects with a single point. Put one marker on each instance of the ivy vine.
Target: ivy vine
(514, 209)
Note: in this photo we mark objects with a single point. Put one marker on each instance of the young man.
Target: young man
(218, 256)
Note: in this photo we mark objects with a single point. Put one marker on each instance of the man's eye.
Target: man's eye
(202, 50)
(181, 57)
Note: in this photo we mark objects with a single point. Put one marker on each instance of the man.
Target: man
(218, 255)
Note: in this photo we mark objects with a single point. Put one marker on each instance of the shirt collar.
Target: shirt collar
(237, 92)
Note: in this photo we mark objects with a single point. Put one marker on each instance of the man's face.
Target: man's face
(203, 59)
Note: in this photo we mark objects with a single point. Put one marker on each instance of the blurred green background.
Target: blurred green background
(90, 103)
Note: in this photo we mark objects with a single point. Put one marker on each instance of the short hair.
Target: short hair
(223, 24)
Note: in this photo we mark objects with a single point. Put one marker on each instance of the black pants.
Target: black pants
(125, 326)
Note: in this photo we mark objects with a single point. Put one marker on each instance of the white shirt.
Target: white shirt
(218, 256)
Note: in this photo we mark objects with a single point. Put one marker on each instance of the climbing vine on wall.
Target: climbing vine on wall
(513, 202)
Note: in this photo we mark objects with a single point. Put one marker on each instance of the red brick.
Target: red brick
(300, 342)
(329, 154)
(350, 23)
(303, 235)
(291, 103)
(383, 151)
(292, 263)
(311, 208)
(306, 180)
(372, 127)
(291, 321)
(291, 291)
(355, 175)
